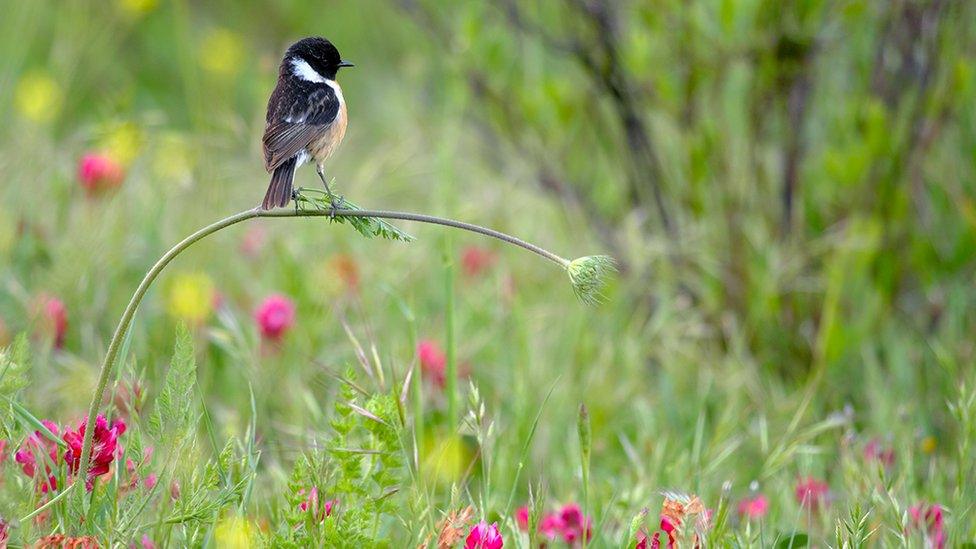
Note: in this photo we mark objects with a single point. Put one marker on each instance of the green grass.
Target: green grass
(735, 361)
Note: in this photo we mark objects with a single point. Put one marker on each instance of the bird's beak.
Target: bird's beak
(345, 63)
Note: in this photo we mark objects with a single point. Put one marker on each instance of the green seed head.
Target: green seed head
(588, 276)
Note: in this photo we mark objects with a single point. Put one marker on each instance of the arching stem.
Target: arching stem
(130, 310)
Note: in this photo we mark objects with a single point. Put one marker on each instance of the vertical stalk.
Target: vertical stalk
(451, 374)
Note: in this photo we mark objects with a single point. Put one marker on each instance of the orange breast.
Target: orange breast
(323, 147)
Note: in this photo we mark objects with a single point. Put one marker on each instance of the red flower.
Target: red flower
(754, 508)
(54, 318)
(812, 493)
(433, 361)
(98, 173)
(104, 447)
(522, 518)
(476, 260)
(275, 316)
(484, 536)
(873, 451)
(641, 540)
(928, 519)
(4, 532)
(39, 445)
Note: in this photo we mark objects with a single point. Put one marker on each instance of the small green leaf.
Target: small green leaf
(793, 541)
(34, 423)
(367, 226)
(173, 413)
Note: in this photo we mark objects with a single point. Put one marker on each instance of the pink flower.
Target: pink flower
(575, 525)
(4, 532)
(641, 540)
(311, 504)
(433, 361)
(275, 316)
(150, 481)
(147, 542)
(873, 451)
(253, 242)
(54, 318)
(754, 508)
(3, 451)
(476, 260)
(104, 447)
(35, 446)
(484, 536)
(812, 493)
(551, 526)
(98, 173)
(928, 519)
(522, 518)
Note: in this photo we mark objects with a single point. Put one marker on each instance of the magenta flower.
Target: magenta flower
(551, 526)
(873, 451)
(4, 532)
(311, 504)
(928, 519)
(484, 536)
(35, 446)
(476, 260)
(433, 361)
(812, 493)
(754, 508)
(104, 447)
(522, 518)
(275, 316)
(54, 318)
(147, 542)
(575, 525)
(150, 481)
(98, 173)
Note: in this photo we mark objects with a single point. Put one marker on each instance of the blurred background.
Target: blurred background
(788, 188)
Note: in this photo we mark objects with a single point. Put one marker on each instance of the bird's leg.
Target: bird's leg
(335, 201)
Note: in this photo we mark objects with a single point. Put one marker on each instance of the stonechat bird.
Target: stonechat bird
(306, 118)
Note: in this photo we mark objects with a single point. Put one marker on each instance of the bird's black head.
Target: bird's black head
(319, 54)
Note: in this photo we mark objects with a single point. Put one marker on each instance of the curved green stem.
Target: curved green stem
(130, 310)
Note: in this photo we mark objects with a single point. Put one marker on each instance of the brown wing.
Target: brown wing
(306, 118)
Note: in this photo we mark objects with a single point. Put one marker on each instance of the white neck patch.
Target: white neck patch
(303, 70)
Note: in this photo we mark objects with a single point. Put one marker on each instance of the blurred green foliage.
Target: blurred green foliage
(789, 188)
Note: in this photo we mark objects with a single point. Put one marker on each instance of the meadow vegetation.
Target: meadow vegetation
(785, 359)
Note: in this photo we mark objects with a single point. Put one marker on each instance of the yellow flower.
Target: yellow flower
(929, 445)
(235, 533)
(122, 142)
(445, 459)
(138, 7)
(38, 97)
(222, 52)
(191, 297)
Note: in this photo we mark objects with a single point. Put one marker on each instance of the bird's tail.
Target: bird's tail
(279, 191)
